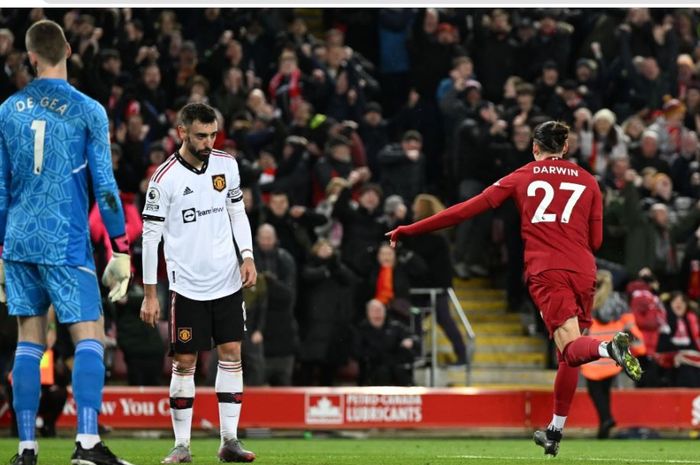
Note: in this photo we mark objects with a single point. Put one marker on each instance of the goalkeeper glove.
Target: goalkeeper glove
(3, 296)
(116, 275)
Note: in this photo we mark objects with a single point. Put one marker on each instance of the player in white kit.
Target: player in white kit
(194, 202)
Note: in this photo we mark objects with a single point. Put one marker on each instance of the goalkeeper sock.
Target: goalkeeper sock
(181, 403)
(88, 382)
(26, 389)
(581, 350)
(229, 392)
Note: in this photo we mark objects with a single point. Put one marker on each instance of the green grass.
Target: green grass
(393, 451)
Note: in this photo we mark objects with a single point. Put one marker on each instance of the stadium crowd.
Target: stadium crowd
(380, 118)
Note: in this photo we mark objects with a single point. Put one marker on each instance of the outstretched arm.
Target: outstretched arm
(446, 218)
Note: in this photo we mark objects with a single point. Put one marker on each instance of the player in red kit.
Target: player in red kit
(561, 213)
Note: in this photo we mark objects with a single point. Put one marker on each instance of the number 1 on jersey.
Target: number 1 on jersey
(39, 128)
(540, 216)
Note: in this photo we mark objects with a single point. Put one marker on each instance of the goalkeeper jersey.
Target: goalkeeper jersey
(189, 207)
(51, 137)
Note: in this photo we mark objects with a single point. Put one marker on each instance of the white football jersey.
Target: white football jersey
(189, 206)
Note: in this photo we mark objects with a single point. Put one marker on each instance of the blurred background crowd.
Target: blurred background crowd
(348, 122)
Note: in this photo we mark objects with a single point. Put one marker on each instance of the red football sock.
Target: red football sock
(564, 388)
(581, 350)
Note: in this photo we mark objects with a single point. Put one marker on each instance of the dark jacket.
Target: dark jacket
(434, 249)
(363, 231)
(327, 310)
(380, 347)
(643, 233)
(281, 331)
(400, 174)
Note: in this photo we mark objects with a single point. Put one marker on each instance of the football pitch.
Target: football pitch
(393, 451)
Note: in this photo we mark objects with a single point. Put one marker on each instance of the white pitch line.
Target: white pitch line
(579, 459)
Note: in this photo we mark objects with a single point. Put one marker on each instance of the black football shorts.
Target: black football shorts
(196, 324)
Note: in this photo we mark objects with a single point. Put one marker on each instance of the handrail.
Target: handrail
(460, 311)
(471, 336)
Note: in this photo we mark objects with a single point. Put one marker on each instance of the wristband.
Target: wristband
(120, 244)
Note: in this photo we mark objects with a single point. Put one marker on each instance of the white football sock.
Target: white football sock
(182, 393)
(557, 422)
(87, 441)
(32, 445)
(229, 390)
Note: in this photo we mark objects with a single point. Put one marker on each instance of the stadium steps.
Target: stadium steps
(504, 356)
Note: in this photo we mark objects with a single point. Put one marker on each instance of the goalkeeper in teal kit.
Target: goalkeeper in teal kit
(52, 139)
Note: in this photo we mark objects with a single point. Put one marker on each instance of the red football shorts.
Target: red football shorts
(560, 295)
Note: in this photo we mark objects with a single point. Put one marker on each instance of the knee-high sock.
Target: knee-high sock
(564, 390)
(26, 390)
(88, 382)
(181, 403)
(229, 391)
(581, 350)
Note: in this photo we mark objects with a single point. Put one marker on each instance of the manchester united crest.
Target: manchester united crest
(184, 334)
(219, 182)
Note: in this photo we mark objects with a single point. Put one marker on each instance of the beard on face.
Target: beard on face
(201, 155)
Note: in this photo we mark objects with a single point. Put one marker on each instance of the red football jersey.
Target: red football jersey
(561, 210)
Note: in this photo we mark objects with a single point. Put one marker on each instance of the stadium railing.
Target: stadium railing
(431, 309)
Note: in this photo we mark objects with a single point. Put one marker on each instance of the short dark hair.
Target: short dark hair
(46, 39)
(412, 134)
(551, 136)
(196, 112)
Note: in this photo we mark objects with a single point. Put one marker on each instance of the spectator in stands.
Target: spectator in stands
(293, 174)
(394, 62)
(434, 250)
(602, 142)
(648, 154)
(649, 316)
(403, 167)
(123, 170)
(326, 313)
(395, 212)
(546, 97)
(491, 38)
(652, 238)
(286, 86)
(336, 163)
(374, 131)
(462, 71)
(153, 100)
(685, 165)
(281, 329)
(391, 278)
(478, 143)
(363, 229)
(669, 127)
(633, 127)
(256, 300)
(525, 110)
(679, 343)
(294, 225)
(230, 97)
(689, 280)
(7, 39)
(610, 316)
(552, 42)
(384, 349)
(648, 82)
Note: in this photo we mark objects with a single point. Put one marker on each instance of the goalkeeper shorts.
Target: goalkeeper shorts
(73, 290)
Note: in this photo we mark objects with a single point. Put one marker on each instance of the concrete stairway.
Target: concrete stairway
(504, 356)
